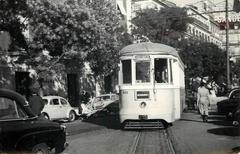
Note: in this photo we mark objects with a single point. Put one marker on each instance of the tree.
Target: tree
(13, 13)
(62, 28)
(74, 31)
(203, 59)
(66, 33)
(163, 26)
(104, 58)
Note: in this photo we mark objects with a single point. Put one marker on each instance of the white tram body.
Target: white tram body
(151, 83)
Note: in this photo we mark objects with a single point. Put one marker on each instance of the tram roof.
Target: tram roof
(150, 48)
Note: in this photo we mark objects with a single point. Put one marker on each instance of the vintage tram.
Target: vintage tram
(151, 85)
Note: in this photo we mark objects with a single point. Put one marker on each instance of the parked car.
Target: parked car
(229, 105)
(23, 132)
(236, 117)
(104, 100)
(57, 108)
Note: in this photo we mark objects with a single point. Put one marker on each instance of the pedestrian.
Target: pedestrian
(203, 101)
(35, 101)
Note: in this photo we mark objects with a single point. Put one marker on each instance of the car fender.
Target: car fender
(46, 110)
(29, 140)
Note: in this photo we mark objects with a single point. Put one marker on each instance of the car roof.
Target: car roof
(7, 93)
(106, 95)
(51, 97)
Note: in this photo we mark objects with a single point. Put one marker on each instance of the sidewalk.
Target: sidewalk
(190, 135)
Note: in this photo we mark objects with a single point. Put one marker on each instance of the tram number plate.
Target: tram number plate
(143, 117)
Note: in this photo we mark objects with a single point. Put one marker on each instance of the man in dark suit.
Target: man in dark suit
(35, 102)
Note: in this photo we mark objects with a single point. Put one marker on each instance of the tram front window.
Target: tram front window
(142, 71)
(161, 71)
(127, 71)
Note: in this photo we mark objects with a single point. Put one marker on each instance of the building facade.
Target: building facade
(234, 32)
(203, 27)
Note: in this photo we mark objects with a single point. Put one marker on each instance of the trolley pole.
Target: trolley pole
(227, 46)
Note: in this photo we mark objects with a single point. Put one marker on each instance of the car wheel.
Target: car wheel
(45, 115)
(72, 116)
(41, 148)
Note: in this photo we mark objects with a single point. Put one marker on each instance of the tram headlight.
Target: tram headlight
(143, 104)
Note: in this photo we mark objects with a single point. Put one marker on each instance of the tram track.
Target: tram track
(151, 142)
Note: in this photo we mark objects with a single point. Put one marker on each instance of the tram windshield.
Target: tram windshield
(161, 71)
(127, 71)
(142, 71)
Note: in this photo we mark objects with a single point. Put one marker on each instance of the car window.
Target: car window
(54, 101)
(105, 97)
(114, 97)
(97, 99)
(10, 110)
(63, 102)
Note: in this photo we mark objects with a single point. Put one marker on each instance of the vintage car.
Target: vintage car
(57, 108)
(229, 105)
(104, 100)
(23, 132)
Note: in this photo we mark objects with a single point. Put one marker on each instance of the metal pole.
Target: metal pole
(227, 46)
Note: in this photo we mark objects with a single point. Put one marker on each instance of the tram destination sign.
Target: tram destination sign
(142, 57)
(142, 94)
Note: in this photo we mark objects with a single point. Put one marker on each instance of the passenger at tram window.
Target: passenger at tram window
(161, 72)
(158, 77)
(164, 74)
(161, 77)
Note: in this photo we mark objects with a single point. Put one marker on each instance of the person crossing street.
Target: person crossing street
(203, 101)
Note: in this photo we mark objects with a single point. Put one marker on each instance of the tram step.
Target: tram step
(143, 125)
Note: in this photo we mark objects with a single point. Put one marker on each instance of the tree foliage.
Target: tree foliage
(13, 13)
(65, 33)
(163, 26)
(74, 31)
(62, 28)
(168, 26)
(203, 59)
(110, 38)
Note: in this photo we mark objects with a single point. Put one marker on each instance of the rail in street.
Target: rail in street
(97, 136)
(151, 141)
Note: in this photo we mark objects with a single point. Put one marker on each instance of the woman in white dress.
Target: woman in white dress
(203, 101)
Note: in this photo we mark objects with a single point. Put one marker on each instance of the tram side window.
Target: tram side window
(142, 71)
(161, 71)
(127, 71)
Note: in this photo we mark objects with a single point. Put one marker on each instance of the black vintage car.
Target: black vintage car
(229, 105)
(22, 131)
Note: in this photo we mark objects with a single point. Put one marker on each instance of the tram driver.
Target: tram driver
(161, 75)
